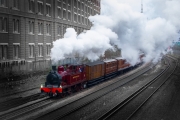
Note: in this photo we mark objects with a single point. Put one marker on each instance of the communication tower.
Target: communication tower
(141, 6)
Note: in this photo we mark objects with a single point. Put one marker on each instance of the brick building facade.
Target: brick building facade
(28, 27)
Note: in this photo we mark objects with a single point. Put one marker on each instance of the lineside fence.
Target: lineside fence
(23, 69)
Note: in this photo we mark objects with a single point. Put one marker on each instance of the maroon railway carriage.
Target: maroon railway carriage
(110, 68)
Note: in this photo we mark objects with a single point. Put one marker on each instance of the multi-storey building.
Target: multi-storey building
(28, 27)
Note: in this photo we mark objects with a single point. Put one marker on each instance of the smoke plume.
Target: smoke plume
(121, 23)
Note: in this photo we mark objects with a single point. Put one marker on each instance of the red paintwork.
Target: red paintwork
(72, 77)
(53, 90)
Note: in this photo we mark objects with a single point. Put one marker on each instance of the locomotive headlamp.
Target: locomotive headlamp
(41, 86)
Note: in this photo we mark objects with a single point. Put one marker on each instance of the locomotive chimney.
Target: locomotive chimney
(54, 68)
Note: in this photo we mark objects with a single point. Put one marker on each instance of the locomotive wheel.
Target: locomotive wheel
(62, 94)
(80, 87)
(50, 94)
(77, 88)
(73, 89)
(69, 91)
(58, 94)
(84, 85)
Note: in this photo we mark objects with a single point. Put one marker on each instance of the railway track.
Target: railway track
(18, 101)
(26, 109)
(19, 92)
(47, 102)
(74, 106)
(129, 107)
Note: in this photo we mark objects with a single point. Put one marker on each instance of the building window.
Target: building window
(85, 8)
(48, 10)
(82, 19)
(64, 14)
(82, 7)
(64, 5)
(31, 50)
(75, 3)
(3, 52)
(40, 50)
(31, 27)
(69, 16)
(89, 23)
(69, 2)
(16, 51)
(31, 5)
(59, 12)
(3, 3)
(79, 4)
(16, 4)
(64, 30)
(40, 7)
(59, 3)
(79, 18)
(59, 30)
(79, 31)
(75, 17)
(40, 28)
(48, 29)
(69, 7)
(3, 24)
(48, 49)
(15, 26)
(86, 21)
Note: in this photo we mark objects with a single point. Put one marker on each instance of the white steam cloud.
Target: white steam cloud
(121, 23)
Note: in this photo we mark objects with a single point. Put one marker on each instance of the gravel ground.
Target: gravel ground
(15, 89)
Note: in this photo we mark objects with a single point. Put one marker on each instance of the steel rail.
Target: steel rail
(91, 100)
(18, 101)
(153, 92)
(25, 109)
(112, 111)
(38, 105)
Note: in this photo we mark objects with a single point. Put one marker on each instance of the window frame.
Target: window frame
(3, 51)
(40, 8)
(31, 50)
(48, 9)
(16, 50)
(3, 25)
(31, 27)
(31, 7)
(3, 3)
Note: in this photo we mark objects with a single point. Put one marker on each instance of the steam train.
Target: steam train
(73, 77)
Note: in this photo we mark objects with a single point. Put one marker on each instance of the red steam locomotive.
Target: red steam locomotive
(71, 78)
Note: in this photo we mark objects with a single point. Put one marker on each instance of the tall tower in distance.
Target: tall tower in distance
(141, 6)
